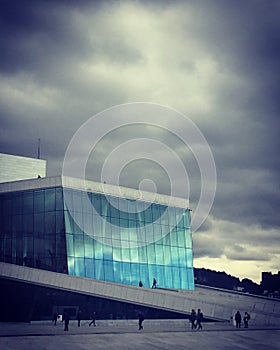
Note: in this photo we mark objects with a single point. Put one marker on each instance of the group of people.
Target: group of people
(154, 285)
(66, 319)
(196, 319)
(238, 319)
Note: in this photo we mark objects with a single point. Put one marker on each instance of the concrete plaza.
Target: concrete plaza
(117, 335)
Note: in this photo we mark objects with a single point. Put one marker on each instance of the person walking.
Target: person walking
(66, 319)
(93, 319)
(237, 318)
(55, 317)
(141, 318)
(246, 319)
(79, 317)
(199, 319)
(154, 283)
(193, 319)
(140, 284)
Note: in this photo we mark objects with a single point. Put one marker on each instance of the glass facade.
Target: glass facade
(32, 229)
(137, 242)
(112, 239)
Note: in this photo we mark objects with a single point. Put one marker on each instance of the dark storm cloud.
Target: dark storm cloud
(63, 61)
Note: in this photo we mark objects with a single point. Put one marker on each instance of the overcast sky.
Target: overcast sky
(216, 62)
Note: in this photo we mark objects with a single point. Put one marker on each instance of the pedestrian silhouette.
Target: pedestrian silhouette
(79, 317)
(199, 319)
(193, 319)
(66, 319)
(55, 317)
(140, 284)
(237, 318)
(154, 283)
(93, 318)
(246, 319)
(141, 318)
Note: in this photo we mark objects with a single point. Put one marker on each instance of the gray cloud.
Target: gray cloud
(62, 62)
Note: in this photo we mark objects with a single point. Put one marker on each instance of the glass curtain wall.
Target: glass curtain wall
(107, 240)
(32, 229)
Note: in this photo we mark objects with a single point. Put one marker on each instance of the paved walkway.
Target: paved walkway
(38, 336)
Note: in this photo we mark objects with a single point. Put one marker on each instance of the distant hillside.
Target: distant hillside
(223, 280)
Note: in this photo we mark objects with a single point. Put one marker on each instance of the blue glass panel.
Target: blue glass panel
(188, 238)
(104, 206)
(77, 220)
(117, 252)
(89, 268)
(187, 219)
(164, 219)
(107, 252)
(50, 222)
(59, 222)
(168, 276)
(144, 275)
(174, 256)
(39, 220)
(160, 275)
(159, 254)
(108, 270)
(88, 241)
(50, 199)
(134, 255)
(167, 254)
(126, 255)
(86, 205)
(68, 199)
(153, 274)
(148, 217)
(176, 277)
(27, 223)
(77, 201)
(96, 202)
(126, 267)
(181, 237)
(80, 267)
(58, 199)
(114, 212)
(173, 238)
(189, 257)
(182, 257)
(156, 212)
(184, 278)
(87, 223)
(17, 204)
(135, 274)
(60, 247)
(28, 202)
(151, 254)
(132, 223)
(117, 268)
(71, 264)
(157, 231)
(166, 240)
(99, 270)
(79, 246)
(124, 222)
(7, 206)
(98, 250)
(142, 253)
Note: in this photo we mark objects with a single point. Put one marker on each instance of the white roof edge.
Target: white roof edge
(96, 187)
(124, 192)
(30, 184)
